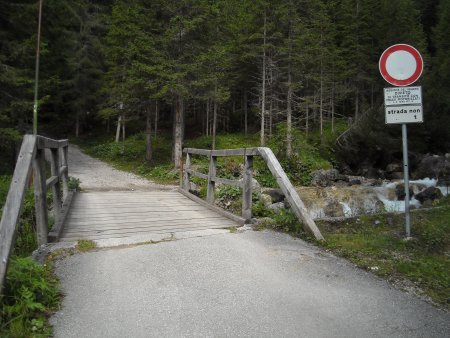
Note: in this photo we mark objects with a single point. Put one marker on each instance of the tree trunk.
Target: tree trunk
(245, 114)
(289, 115)
(119, 122)
(77, 125)
(148, 137)
(332, 108)
(123, 129)
(108, 127)
(307, 119)
(321, 102)
(178, 131)
(263, 93)
(156, 117)
(356, 104)
(214, 126)
(207, 116)
(270, 117)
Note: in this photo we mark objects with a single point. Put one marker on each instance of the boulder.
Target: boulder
(266, 199)
(256, 187)
(429, 194)
(333, 209)
(354, 182)
(276, 207)
(393, 167)
(379, 207)
(275, 194)
(400, 192)
(396, 175)
(324, 178)
(433, 166)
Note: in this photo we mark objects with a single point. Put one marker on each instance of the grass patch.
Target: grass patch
(84, 245)
(376, 243)
(129, 155)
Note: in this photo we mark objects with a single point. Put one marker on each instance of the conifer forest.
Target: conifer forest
(188, 68)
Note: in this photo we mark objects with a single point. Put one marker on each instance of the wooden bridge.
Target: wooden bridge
(119, 214)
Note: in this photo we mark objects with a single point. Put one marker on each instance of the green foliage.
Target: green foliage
(74, 183)
(84, 245)
(380, 247)
(4, 188)
(286, 220)
(30, 292)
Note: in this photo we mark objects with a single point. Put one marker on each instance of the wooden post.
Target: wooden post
(211, 183)
(56, 187)
(247, 189)
(289, 192)
(40, 197)
(14, 202)
(65, 174)
(186, 175)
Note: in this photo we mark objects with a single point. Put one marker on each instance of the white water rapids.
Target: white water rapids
(355, 200)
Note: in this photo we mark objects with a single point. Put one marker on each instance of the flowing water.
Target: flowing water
(347, 201)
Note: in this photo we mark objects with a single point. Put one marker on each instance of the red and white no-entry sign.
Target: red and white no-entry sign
(401, 65)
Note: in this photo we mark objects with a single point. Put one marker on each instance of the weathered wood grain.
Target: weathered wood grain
(56, 231)
(40, 197)
(97, 215)
(237, 219)
(14, 202)
(289, 192)
(211, 189)
(247, 189)
(44, 142)
(222, 152)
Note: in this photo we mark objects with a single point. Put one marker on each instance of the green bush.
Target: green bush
(30, 292)
(74, 183)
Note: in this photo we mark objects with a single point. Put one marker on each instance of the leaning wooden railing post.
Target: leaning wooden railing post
(40, 197)
(247, 189)
(289, 192)
(14, 202)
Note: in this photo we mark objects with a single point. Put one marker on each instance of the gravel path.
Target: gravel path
(96, 175)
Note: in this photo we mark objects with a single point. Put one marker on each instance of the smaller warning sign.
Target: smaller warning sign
(402, 95)
(404, 114)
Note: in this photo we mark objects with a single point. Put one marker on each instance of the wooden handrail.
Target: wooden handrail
(32, 155)
(275, 168)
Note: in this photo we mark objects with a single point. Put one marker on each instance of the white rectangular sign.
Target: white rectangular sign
(395, 96)
(404, 114)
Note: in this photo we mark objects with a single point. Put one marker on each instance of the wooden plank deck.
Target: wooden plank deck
(119, 214)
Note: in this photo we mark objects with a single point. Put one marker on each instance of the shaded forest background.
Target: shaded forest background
(204, 67)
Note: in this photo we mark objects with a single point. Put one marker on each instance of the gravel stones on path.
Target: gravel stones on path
(96, 175)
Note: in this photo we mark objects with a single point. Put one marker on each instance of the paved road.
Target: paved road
(250, 284)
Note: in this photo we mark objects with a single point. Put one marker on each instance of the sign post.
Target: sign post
(401, 65)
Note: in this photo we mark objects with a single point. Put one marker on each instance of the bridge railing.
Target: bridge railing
(246, 183)
(32, 159)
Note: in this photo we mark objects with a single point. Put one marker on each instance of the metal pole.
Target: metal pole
(406, 180)
(36, 76)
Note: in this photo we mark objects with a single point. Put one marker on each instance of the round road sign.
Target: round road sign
(401, 65)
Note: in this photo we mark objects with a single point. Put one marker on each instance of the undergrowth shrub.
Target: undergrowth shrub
(30, 292)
